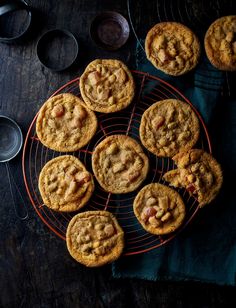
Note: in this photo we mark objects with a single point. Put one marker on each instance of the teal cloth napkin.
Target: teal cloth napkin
(206, 250)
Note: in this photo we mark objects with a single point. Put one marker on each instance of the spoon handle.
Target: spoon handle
(11, 180)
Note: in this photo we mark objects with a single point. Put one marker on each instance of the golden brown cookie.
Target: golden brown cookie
(220, 43)
(107, 86)
(198, 172)
(172, 48)
(119, 164)
(65, 124)
(159, 209)
(94, 238)
(169, 126)
(64, 184)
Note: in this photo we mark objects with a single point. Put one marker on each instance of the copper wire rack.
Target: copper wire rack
(149, 89)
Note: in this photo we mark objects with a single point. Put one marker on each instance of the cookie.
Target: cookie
(64, 184)
(94, 238)
(220, 43)
(172, 48)
(198, 172)
(169, 126)
(107, 86)
(119, 164)
(64, 124)
(159, 209)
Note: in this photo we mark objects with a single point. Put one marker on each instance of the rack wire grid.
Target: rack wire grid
(149, 89)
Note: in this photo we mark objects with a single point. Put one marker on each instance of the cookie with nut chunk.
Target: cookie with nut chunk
(107, 86)
(220, 43)
(65, 124)
(198, 172)
(94, 238)
(119, 164)
(169, 126)
(172, 48)
(64, 184)
(159, 209)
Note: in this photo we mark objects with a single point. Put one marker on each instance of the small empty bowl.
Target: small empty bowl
(109, 30)
(57, 49)
(15, 20)
(11, 139)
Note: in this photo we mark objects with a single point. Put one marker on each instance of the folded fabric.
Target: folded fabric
(205, 250)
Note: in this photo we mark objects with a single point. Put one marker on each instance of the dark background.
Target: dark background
(36, 269)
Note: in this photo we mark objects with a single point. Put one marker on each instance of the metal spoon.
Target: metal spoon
(11, 140)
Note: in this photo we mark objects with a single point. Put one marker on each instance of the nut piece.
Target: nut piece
(82, 177)
(151, 201)
(120, 75)
(76, 123)
(111, 100)
(52, 187)
(133, 176)
(109, 230)
(100, 251)
(153, 221)
(163, 203)
(104, 94)
(72, 170)
(99, 226)
(148, 212)
(159, 213)
(94, 78)
(113, 149)
(112, 78)
(158, 121)
(96, 244)
(126, 156)
(118, 167)
(163, 56)
(72, 188)
(80, 112)
(58, 111)
(166, 216)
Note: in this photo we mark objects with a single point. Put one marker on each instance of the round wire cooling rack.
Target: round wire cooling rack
(149, 89)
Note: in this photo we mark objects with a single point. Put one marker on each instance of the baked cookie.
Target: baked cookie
(169, 126)
(64, 124)
(107, 86)
(198, 172)
(64, 184)
(119, 164)
(94, 238)
(172, 48)
(220, 43)
(159, 209)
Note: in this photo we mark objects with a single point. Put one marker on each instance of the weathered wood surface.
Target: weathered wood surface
(35, 267)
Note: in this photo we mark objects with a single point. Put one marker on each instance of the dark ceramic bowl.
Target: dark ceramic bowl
(109, 30)
(57, 49)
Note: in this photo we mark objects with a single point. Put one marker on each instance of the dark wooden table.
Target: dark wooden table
(36, 269)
